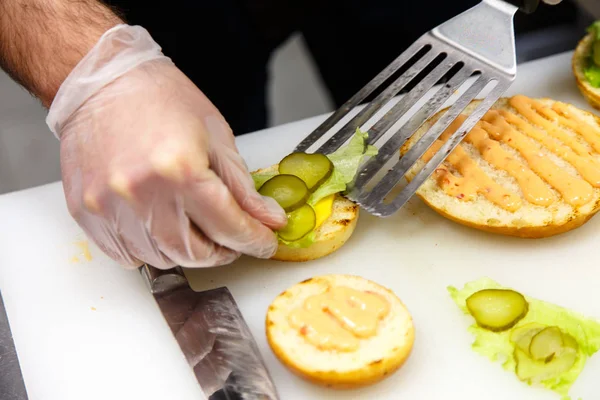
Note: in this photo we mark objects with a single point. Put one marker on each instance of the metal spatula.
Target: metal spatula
(473, 53)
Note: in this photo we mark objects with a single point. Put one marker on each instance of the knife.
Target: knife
(213, 337)
(12, 386)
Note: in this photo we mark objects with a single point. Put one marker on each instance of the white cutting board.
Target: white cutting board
(121, 348)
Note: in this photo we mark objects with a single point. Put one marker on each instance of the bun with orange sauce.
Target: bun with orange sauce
(530, 168)
(338, 217)
(366, 359)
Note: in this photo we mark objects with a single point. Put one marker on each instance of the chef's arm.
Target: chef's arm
(41, 41)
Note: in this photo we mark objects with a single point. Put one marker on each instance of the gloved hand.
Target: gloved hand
(150, 168)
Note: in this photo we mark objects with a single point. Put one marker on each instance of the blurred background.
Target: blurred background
(29, 151)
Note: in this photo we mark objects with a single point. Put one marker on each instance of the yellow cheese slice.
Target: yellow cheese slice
(323, 209)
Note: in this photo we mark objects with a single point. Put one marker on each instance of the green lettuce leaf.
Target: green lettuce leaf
(346, 161)
(498, 347)
(592, 74)
(260, 178)
(594, 29)
(592, 67)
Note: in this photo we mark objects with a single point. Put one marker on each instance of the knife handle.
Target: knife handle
(160, 281)
(525, 6)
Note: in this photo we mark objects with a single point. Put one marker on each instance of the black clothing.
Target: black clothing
(224, 46)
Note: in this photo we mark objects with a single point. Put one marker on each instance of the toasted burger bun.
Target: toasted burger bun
(377, 356)
(329, 236)
(530, 220)
(578, 62)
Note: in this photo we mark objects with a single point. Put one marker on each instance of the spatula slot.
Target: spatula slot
(411, 112)
(381, 203)
(408, 105)
(381, 190)
(427, 67)
(401, 70)
(406, 66)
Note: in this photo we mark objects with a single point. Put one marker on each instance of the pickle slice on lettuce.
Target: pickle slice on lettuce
(570, 341)
(581, 334)
(522, 335)
(346, 160)
(542, 352)
(497, 309)
(300, 222)
(313, 169)
(546, 343)
(288, 190)
(534, 371)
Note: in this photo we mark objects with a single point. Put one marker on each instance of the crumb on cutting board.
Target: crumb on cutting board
(84, 249)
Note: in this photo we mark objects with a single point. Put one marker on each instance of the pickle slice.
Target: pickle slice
(570, 341)
(528, 369)
(526, 329)
(300, 222)
(522, 335)
(288, 190)
(546, 343)
(497, 309)
(313, 169)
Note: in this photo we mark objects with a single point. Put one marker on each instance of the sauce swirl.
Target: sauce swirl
(338, 318)
(534, 131)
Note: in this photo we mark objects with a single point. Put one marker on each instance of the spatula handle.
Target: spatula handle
(526, 6)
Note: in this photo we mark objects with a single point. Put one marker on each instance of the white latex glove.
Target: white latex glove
(150, 168)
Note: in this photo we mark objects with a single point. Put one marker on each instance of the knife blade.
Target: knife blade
(12, 385)
(213, 336)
